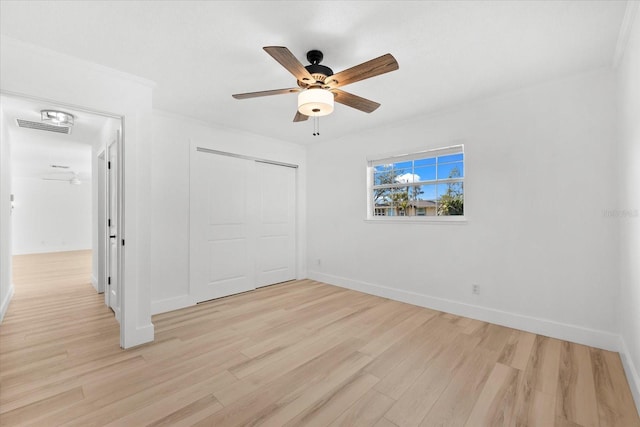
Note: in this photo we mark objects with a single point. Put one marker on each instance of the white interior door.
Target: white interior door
(112, 290)
(242, 225)
(276, 242)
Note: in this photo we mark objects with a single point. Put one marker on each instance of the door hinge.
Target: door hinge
(109, 165)
(109, 280)
(109, 222)
(122, 242)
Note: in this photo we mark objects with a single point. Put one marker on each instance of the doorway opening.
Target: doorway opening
(64, 195)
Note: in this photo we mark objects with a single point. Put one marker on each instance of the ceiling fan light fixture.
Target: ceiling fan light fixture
(57, 118)
(315, 102)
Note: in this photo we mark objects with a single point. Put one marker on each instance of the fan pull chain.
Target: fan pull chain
(316, 126)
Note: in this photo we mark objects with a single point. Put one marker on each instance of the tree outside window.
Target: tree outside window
(429, 183)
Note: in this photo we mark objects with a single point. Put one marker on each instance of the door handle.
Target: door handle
(112, 237)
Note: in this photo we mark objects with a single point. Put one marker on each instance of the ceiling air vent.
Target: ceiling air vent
(43, 126)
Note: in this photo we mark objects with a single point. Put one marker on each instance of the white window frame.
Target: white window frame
(374, 161)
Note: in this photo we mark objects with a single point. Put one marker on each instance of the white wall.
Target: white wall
(50, 216)
(172, 136)
(539, 173)
(627, 210)
(6, 285)
(101, 89)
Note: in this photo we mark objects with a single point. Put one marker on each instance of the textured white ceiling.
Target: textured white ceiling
(200, 52)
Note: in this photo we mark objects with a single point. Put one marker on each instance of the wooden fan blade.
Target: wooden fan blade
(354, 101)
(375, 67)
(288, 61)
(266, 93)
(299, 117)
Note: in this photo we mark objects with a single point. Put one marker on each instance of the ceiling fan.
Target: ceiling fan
(318, 87)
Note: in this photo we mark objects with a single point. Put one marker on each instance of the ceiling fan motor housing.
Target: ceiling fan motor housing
(317, 71)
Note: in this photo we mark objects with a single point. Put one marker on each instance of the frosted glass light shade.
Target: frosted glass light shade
(57, 118)
(315, 102)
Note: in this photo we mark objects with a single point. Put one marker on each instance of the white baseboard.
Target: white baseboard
(5, 302)
(632, 372)
(47, 250)
(170, 304)
(578, 334)
(141, 335)
(94, 283)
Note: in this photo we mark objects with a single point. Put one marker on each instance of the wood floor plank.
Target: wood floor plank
(401, 349)
(310, 342)
(416, 402)
(437, 339)
(321, 404)
(536, 395)
(367, 411)
(615, 406)
(290, 335)
(37, 411)
(470, 326)
(382, 318)
(326, 409)
(457, 400)
(267, 399)
(281, 364)
(383, 422)
(493, 338)
(107, 400)
(206, 405)
(576, 400)
(517, 350)
(379, 344)
(540, 409)
(84, 376)
(563, 422)
(297, 353)
(496, 402)
(545, 364)
(178, 405)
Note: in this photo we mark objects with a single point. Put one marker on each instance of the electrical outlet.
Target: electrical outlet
(475, 289)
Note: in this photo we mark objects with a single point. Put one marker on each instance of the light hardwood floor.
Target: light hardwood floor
(301, 353)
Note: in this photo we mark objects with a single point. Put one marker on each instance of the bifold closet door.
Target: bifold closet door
(242, 225)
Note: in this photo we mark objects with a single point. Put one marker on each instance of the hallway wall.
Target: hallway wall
(50, 216)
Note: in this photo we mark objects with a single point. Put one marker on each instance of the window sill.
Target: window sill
(419, 220)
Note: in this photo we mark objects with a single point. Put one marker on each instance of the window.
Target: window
(422, 184)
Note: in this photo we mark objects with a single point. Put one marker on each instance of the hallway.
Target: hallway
(57, 328)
